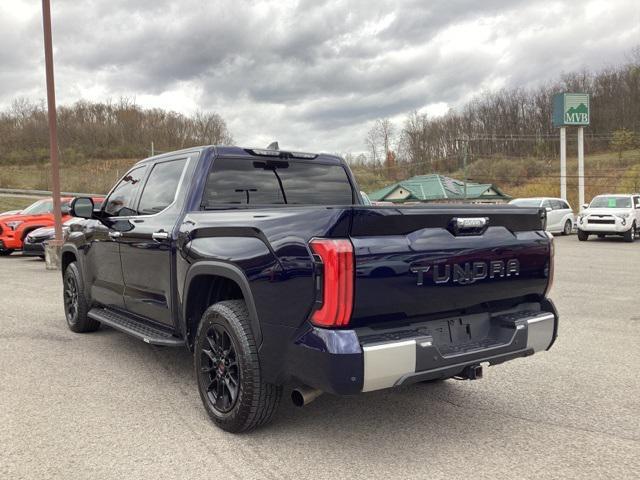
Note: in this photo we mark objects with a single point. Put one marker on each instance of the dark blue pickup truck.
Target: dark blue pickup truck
(269, 267)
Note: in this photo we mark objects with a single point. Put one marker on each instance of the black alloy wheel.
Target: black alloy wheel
(219, 369)
(227, 368)
(75, 302)
(71, 299)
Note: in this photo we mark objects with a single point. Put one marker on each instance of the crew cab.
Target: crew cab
(269, 268)
(617, 215)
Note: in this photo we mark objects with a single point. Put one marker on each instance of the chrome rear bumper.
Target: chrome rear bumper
(412, 355)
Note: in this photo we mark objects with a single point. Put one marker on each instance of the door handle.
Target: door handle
(160, 236)
(115, 234)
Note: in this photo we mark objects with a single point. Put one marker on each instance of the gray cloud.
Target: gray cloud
(311, 74)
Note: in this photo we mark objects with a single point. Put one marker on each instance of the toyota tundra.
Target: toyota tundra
(270, 268)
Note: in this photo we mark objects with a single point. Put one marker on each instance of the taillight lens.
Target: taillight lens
(336, 293)
(551, 272)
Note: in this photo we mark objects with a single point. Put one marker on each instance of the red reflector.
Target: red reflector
(551, 272)
(337, 282)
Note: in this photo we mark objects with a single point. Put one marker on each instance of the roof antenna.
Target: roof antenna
(273, 146)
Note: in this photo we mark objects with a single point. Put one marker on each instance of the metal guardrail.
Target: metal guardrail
(45, 193)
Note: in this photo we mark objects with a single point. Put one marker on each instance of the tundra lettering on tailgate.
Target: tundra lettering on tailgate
(468, 272)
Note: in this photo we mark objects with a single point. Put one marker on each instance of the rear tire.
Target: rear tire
(568, 226)
(5, 253)
(227, 367)
(75, 302)
(583, 236)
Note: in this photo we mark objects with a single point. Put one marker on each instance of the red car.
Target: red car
(14, 228)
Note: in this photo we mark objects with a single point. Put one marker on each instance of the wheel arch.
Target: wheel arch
(208, 282)
(69, 254)
(28, 229)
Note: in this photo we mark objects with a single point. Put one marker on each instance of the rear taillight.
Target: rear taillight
(334, 277)
(551, 268)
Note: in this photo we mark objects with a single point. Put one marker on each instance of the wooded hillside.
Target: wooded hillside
(506, 126)
(100, 130)
(508, 135)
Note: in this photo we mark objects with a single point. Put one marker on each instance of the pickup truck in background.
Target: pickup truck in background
(267, 265)
(15, 227)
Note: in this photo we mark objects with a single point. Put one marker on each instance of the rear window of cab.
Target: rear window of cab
(234, 181)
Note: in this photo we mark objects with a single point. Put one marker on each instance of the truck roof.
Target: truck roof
(224, 150)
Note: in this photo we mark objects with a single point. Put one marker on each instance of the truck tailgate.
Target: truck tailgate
(414, 262)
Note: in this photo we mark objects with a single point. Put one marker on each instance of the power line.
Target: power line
(429, 164)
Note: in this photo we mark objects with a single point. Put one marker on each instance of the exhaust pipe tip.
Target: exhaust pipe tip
(472, 372)
(304, 395)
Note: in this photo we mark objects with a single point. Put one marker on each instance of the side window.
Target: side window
(557, 204)
(160, 189)
(46, 208)
(546, 204)
(565, 205)
(120, 202)
(64, 207)
(637, 202)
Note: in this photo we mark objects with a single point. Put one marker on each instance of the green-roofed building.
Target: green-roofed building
(438, 188)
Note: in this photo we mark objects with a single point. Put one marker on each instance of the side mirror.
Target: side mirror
(82, 207)
(585, 205)
(65, 209)
(548, 209)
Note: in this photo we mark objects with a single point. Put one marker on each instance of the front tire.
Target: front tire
(227, 367)
(630, 235)
(583, 236)
(568, 226)
(75, 302)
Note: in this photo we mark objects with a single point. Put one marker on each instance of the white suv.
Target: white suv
(610, 215)
(560, 217)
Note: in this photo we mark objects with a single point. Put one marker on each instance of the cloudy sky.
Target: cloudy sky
(311, 74)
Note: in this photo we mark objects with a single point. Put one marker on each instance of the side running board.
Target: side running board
(136, 328)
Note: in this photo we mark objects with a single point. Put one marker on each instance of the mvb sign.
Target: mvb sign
(571, 109)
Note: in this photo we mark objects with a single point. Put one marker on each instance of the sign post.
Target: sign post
(580, 167)
(563, 162)
(571, 109)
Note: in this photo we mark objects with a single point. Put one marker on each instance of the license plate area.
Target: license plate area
(450, 341)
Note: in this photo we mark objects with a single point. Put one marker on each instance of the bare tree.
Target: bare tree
(120, 129)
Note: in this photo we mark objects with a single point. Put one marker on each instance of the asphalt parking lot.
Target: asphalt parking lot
(104, 405)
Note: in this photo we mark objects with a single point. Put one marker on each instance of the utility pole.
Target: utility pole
(465, 160)
(53, 129)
